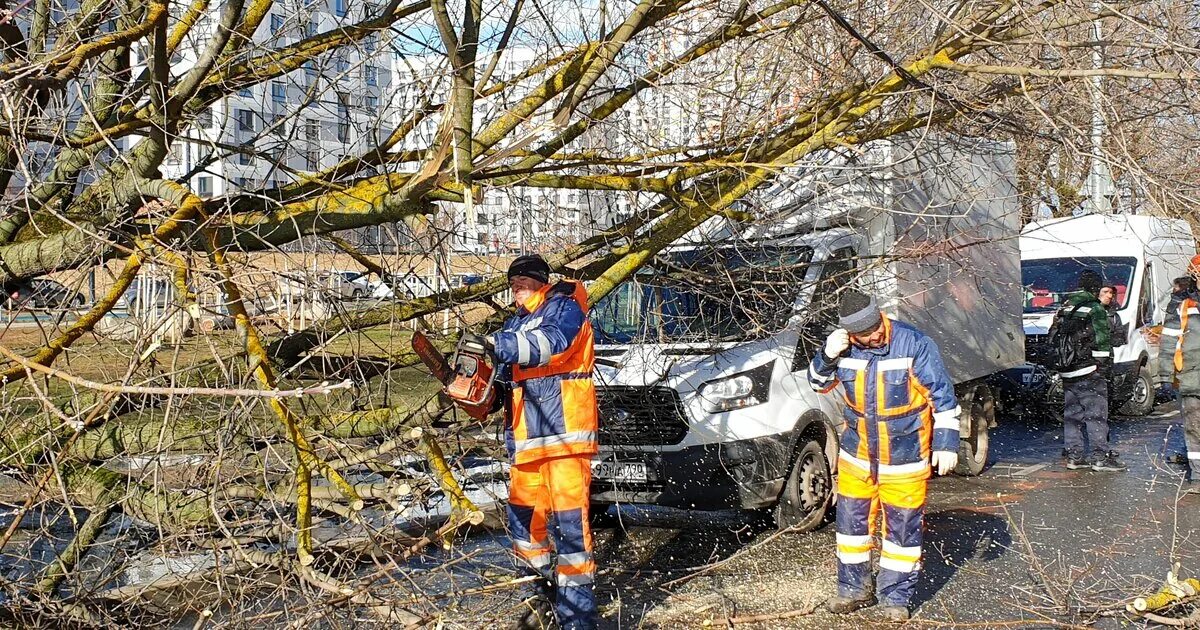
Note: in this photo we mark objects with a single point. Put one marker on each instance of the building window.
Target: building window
(246, 155)
(370, 42)
(276, 24)
(277, 125)
(371, 75)
(343, 115)
(342, 65)
(312, 131)
(311, 29)
(204, 119)
(242, 183)
(371, 103)
(310, 70)
(278, 91)
(339, 8)
(310, 160)
(245, 92)
(245, 120)
(204, 186)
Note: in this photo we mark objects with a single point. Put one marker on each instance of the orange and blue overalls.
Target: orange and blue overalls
(900, 403)
(551, 437)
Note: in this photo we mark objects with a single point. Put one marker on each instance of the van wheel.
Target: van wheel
(1142, 401)
(808, 491)
(973, 433)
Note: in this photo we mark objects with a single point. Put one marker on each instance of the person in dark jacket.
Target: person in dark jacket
(1185, 370)
(1181, 288)
(1085, 387)
(1116, 327)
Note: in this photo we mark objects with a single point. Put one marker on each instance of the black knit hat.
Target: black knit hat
(1090, 281)
(530, 266)
(858, 313)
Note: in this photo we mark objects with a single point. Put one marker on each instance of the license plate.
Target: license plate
(620, 471)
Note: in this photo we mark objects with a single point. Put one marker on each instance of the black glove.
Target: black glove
(501, 398)
(476, 343)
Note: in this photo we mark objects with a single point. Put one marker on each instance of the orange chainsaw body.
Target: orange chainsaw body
(472, 385)
(468, 378)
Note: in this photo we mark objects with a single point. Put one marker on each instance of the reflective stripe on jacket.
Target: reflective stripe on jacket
(896, 397)
(1187, 352)
(1168, 342)
(549, 348)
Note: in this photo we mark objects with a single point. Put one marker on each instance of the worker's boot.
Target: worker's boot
(1109, 462)
(894, 614)
(538, 610)
(1076, 460)
(840, 605)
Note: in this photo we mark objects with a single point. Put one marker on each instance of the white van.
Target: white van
(702, 356)
(1140, 255)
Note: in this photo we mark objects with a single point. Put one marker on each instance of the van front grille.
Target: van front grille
(640, 416)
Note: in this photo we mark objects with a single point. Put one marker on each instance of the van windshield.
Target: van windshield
(1048, 281)
(704, 295)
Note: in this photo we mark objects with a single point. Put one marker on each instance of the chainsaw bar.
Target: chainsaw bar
(432, 358)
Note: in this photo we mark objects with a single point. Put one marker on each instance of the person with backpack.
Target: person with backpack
(1082, 344)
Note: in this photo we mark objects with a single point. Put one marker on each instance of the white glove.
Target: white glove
(944, 462)
(837, 343)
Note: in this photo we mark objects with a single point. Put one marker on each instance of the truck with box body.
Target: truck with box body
(702, 355)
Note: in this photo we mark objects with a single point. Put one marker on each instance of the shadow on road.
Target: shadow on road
(953, 538)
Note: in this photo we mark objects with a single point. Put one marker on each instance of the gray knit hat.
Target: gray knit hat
(858, 313)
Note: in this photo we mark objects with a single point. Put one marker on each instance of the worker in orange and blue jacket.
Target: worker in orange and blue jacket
(901, 412)
(548, 354)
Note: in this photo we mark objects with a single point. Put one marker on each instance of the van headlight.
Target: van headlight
(744, 389)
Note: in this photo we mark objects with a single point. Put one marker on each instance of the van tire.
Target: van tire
(804, 504)
(973, 443)
(1142, 402)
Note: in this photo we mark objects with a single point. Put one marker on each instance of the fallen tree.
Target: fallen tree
(740, 93)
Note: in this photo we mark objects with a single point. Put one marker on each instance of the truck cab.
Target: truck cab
(701, 374)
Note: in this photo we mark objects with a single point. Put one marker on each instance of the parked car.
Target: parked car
(347, 284)
(44, 294)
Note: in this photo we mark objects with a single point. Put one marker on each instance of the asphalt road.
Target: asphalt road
(1028, 543)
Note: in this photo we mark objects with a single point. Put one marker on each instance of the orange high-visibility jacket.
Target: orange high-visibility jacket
(548, 345)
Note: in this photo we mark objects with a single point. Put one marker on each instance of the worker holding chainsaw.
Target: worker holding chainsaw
(901, 413)
(547, 352)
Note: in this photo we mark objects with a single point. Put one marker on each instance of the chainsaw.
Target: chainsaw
(468, 378)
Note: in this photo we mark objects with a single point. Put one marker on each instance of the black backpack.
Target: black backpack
(1071, 340)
